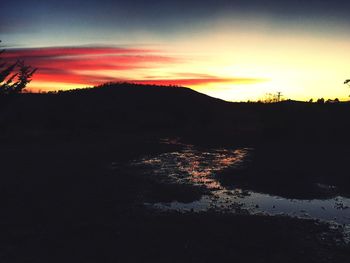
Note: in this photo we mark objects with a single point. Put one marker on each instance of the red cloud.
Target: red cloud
(66, 64)
(70, 65)
(92, 63)
(72, 78)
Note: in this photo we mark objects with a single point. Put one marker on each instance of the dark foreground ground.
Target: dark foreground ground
(62, 202)
(67, 193)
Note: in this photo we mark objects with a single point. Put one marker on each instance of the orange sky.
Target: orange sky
(227, 59)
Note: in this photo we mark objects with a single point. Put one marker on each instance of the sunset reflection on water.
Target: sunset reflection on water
(196, 167)
(191, 165)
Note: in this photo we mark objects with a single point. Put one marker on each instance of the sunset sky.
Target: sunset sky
(236, 50)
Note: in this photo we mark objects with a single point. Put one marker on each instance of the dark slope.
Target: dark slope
(125, 108)
(172, 111)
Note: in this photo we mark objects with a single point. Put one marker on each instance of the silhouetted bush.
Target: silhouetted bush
(320, 101)
(336, 100)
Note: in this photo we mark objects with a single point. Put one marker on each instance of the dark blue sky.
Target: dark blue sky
(25, 15)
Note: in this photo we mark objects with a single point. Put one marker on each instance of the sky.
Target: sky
(236, 50)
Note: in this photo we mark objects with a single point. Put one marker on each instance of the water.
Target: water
(194, 166)
(198, 167)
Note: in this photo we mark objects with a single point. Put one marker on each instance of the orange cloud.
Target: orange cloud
(90, 66)
(198, 81)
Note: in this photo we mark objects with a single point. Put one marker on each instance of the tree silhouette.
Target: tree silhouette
(320, 101)
(14, 77)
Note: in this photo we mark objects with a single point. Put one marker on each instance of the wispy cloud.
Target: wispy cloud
(194, 81)
(68, 64)
(94, 65)
(52, 52)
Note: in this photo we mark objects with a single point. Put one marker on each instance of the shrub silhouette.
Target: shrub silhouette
(14, 77)
(320, 101)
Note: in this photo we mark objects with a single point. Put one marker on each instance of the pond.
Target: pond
(195, 166)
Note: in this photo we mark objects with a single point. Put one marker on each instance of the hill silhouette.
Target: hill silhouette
(134, 108)
(121, 107)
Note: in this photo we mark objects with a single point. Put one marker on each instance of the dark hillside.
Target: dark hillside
(172, 111)
(124, 108)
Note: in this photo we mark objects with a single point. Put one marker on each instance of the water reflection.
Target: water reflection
(198, 167)
(194, 166)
